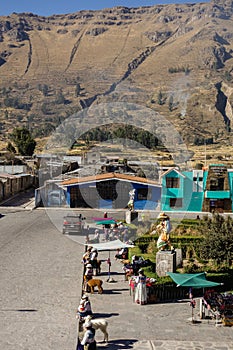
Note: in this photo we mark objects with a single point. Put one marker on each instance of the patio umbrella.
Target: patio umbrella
(106, 222)
(194, 280)
(110, 246)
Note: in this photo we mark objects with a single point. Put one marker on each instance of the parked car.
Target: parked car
(73, 224)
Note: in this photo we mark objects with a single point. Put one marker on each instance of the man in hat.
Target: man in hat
(89, 337)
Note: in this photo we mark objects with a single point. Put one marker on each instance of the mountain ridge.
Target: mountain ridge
(174, 59)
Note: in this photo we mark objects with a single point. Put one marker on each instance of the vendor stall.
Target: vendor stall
(110, 246)
(193, 280)
(218, 305)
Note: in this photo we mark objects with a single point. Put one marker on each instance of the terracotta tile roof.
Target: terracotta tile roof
(109, 176)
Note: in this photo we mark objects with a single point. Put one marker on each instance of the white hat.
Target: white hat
(84, 296)
(89, 265)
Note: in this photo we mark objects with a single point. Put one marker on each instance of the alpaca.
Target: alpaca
(99, 323)
(95, 282)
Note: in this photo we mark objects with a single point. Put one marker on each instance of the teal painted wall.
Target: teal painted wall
(230, 176)
(191, 201)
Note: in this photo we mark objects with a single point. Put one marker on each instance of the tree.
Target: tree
(44, 89)
(170, 103)
(60, 99)
(23, 141)
(77, 89)
(218, 239)
(160, 98)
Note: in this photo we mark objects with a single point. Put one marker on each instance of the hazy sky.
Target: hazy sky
(49, 7)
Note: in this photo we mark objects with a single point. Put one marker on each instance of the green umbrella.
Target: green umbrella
(194, 280)
(104, 222)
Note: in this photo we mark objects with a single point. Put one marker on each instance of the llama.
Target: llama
(99, 323)
(95, 282)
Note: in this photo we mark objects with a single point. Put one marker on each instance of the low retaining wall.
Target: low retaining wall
(163, 293)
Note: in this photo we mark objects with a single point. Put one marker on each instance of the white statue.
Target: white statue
(131, 199)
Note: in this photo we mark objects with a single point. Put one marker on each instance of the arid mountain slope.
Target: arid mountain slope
(174, 59)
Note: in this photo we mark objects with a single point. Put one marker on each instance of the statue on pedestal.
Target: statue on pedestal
(163, 229)
(131, 200)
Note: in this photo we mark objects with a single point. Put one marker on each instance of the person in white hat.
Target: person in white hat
(87, 304)
(89, 337)
(93, 260)
(88, 276)
(82, 312)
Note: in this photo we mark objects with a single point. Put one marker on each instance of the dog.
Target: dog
(99, 323)
(95, 282)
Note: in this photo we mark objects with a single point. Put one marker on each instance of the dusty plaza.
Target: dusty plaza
(41, 278)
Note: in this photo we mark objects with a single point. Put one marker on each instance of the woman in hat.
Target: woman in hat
(82, 312)
(141, 292)
(87, 304)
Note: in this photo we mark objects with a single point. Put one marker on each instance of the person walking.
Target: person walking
(88, 340)
(140, 292)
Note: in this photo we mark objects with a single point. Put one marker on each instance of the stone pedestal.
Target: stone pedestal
(165, 262)
(131, 217)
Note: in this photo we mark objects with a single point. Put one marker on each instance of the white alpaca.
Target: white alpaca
(99, 323)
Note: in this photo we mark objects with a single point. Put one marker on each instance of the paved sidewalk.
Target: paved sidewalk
(154, 326)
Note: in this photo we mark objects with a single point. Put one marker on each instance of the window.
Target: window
(217, 184)
(172, 182)
(143, 194)
(176, 202)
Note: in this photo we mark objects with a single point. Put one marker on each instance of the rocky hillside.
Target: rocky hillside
(174, 59)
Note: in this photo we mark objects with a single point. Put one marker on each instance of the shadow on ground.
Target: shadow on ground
(115, 291)
(104, 315)
(118, 344)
